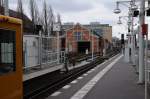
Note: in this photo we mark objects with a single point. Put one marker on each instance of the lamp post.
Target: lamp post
(132, 7)
(141, 46)
(56, 28)
(141, 41)
(127, 53)
(117, 10)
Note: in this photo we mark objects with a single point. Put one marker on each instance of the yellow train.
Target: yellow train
(11, 85)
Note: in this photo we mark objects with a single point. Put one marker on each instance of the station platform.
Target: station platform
(49, 69)
(40, 72)
(113, 79)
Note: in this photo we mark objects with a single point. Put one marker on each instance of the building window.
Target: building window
(78, 36)
(7, 51)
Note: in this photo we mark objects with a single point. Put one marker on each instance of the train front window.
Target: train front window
(7, 51)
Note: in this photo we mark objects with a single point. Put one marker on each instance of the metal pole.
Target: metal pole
(128, 46)
(104, 48)
(66, 46)
(40, 48)
(130, 38)
(146, 67)
(58, 47)
(146, 64)
(132, 41)
(141, 40)
(92, 46)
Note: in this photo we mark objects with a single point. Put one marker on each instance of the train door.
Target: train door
(10, 58)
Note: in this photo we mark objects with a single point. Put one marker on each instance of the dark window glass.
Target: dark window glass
(78, 36)
(7, 51)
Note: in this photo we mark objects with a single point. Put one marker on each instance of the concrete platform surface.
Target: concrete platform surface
(113, 79)
(41, 72)
(119, 83)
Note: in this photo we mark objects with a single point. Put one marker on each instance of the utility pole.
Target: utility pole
(141, 41)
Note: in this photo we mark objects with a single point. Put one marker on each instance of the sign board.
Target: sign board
(144, 29)
(56, 27)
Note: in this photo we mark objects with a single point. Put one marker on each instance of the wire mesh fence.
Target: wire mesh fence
(41, 51)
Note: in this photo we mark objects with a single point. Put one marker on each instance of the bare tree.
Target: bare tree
(1, 7)
(1, 2)
(51, 19)
(59, 21)
(45, 18)
(58, 18)
(20, 9)
(34, 14)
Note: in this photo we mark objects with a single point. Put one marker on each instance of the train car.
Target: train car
(10, 58)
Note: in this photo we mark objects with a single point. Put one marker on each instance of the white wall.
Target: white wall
(31, 50)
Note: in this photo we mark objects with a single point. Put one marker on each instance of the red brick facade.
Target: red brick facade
(83, 35)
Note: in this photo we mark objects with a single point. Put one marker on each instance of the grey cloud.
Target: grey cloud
(70, 5)
(61, 5)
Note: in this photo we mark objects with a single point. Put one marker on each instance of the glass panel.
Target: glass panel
(78, 36)
(7, 51)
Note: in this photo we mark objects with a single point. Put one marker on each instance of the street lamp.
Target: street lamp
(131, 3)
(117, 10)
(132, 7)
(119, 21)
(128, 21)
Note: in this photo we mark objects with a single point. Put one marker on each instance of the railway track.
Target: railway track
(44, 91)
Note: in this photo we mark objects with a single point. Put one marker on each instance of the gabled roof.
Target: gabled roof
(78, 25)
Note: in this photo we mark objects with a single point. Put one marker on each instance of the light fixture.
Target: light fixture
(117, 10)
(119, 22)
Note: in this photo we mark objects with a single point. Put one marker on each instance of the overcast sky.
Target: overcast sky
(83, 11)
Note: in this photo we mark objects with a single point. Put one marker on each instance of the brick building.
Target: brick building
(102, 33)
(79, 39)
